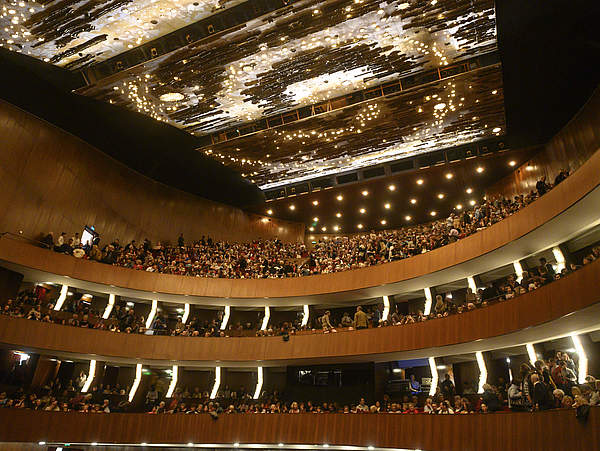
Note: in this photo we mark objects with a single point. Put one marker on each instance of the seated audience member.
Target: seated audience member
(414, 385)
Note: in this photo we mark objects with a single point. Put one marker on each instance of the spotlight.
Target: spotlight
(315, 219)
(269, 212)
(413, 201)
(449, 175)
(315, 202)
(407, 218)
(387, 206)
(432, 213)
(360, 226)
(472, 202)
(479, 169)
(383, 222)
(469, 190)
(365, 193)
(420, 182)
(458, 206)
(340, 197)
(392, 187)
(292, 207)
(362, 211)
(440, 196)
(338, 215)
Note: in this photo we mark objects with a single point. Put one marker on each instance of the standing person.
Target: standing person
(541, 186)
(447, 387)
(541, 400)
(181, 240)
(360, 319)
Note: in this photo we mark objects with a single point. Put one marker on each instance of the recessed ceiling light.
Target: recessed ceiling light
(469, 190)
(472, 202)
(392, 187)
(316, 219)
(172, 97)
(496, 129)
(360, 226)
(323, 229)
(387, 206)
(312, 229)
(362, 211)
(440, 196)
(315, 202)
(512, 163)
(338, 215)
(449, 175)
(432, 213)
(336, 228)
(420, 182)
(413, 201)
(269, 212)
(292, 207)
(340, 197)
(407, 218)
(383, 222)
(440, 106)
(458, 206)
(479, 169)
(365, 193)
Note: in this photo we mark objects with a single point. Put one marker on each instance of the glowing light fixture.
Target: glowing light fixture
(472, 202)
(531, 353)
(458, 207)
(529, 168)
(362, 211)
(259, 383)
(583, 360)
(90, 377)
(479, 169)
(265, 321)
(323, 229)
(386, 308)
(172, 97)
(292, 207)
(413, 201)
(226, 314)
(440, 106)
(338, 215)
(61, 298)
(365, 193)
(215, 389)
(392, 187)
(186, 313)
(420, 182)
(306, 315)
(512, 163)
(518, 270)
(173, 383)
(496, 129)
(387, 206)
(336, 228)
(469, 190)
(315, 202)
(407, 218)
(472, 284)
(360, 226)
(433, 213)
(383, 222)
(434, 376)
(152, 314)
(440, 196)
(109, 306)
(316, 219)
(136, 381)
(428, 301)
(269, 212)
(482, 371)
(560, 259)
(340, 197)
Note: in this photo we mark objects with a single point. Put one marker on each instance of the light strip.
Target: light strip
(531, 353)
(560, 259)
(265, 321)
(306, 316)
(434, 376)
(472, 284)
(215, 389)
(583, 360)
(61, 299)
(386, 308)
(173, 381)
(109, 306)
(482, 371)
(518, 270)
(90, 377)
(428, 301)
(225, 317)
(186, 313)
(259, 383)
(152, 314)
(136, 381)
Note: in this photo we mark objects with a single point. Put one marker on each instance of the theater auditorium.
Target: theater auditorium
(321, 225)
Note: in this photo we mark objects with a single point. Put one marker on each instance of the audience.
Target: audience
(274, 258)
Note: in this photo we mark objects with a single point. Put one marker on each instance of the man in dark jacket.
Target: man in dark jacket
(541, 400)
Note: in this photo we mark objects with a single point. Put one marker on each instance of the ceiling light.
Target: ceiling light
(440, 196)
(323, 229)
(469, 190)
(458, 206)
(392, 187)
(340, 197)
(440, 106)
(269, 212)
(236, 444)
(292, 207)
(316, 219)
(280, 444)
(190, 444)
(407, 218)
(529, 168)
(495, 91)
(472, 202)
(413, 201)
(172, 97)
(41, 443)
(336, 228)
(432, 213)
(94, 443)
(365, 193)
(479, 169)
(420, 182)
(387, 206)
(360, 226)
(449, 175)
(315, 202)
(512, 163)
(383, 222)
(496, 130)
(370, 448)
(338, 215)
(312, 229)
(362, 211)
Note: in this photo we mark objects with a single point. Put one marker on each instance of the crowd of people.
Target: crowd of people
(77, 312)
(275, 259)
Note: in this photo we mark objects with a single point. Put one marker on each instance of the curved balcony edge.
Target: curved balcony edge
(549, 430)
(549, 311)
(551, 219)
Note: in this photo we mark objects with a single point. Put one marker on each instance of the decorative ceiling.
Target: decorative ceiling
(65, 31)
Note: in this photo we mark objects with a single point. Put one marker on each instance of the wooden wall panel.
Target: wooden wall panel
(573, 189)
(554, 430)
(53, 181)
(570, 148)
(548, 303)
